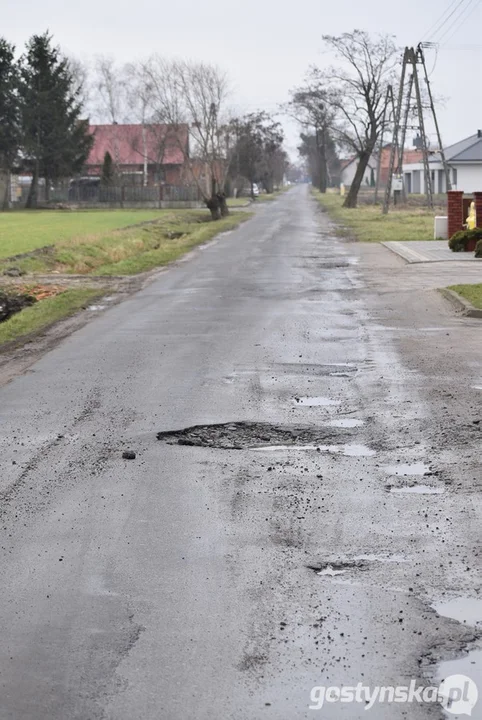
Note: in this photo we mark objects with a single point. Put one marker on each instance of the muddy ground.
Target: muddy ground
(304, 507)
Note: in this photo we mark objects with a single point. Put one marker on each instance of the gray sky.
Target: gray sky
(266, 46)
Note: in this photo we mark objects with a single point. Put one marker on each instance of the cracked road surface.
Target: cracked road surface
(225, 572)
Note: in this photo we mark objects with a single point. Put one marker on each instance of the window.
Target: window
(454, 177)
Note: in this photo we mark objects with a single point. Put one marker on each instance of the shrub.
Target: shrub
(478, 249)
(461, 239)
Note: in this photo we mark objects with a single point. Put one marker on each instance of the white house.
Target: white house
(348, 170)
(465, 163)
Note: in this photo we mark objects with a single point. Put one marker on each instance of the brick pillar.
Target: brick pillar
(455, 211)
(478, 208)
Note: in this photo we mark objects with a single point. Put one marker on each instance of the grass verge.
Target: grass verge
(367, 223)
(472, 293)
(45, 313)
(128, 251)
(25, 230)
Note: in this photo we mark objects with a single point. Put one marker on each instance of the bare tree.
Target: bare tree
(79, 71)
(139, 98)
(356, 91)
(191, 97)
(110, 90)
(310, 107)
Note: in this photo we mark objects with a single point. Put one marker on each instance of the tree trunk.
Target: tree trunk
(352, 197)
(214, 207)
(322, 164)
(32, 192)
(6, 203)
(223, 206)
(47, 190)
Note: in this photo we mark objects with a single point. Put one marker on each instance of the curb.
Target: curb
(460, 304)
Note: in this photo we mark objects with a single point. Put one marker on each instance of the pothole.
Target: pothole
(241, 435)
(408, 469)
(418, 490)
(346, 423)
(463, 609)
(338, 567)
(316, 401)
(382, 558)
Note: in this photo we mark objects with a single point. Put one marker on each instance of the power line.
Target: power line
(443, 19)
(462, 17)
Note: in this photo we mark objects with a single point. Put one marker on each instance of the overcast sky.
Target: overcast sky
(266, 46)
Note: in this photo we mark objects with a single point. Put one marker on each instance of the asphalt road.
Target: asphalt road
(185, 584)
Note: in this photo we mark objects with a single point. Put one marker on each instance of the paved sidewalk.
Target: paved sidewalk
(416, 251)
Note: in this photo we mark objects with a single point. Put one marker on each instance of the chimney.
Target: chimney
(479, 133)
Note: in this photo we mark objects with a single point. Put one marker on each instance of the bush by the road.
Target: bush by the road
(465, 239)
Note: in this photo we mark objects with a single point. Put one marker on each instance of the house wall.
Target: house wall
(469, 177)
(466, 177)
(348, 174)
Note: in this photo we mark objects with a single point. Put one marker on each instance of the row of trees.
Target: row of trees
(342, 108)
(192, 97)
(44, 96)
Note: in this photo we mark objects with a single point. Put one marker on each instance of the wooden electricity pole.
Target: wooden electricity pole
(413, 58)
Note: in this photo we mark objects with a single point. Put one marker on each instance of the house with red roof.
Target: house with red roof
(144, 155)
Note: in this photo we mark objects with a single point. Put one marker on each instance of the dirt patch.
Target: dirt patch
(242, 435)
(13, 302)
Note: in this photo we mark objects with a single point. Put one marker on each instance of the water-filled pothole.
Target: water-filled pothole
(408, 469)
(316, 401)
(350, 450)
(418, 490)
(241, 435)
(470, 667)
(338, 567)
(463, 609)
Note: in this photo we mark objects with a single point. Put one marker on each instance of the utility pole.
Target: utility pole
(423, 136)
(414, 58)
(421, 55)
(396, 126)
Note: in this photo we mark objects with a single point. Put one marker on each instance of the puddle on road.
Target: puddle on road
(96, 307)
(463, 609)
(469, 665)
(315, 401)
(418, 490)
(477, 387)
(352, 450)
(346, 423)
(382, 558)
(331, 572)
(407, 469)
(337, 567)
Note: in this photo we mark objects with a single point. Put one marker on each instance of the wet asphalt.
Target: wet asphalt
(305, 541)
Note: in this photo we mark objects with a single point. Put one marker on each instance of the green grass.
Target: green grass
(45, 313)
(367, 223)
(25, 230)
(128, 251)
(238, 202)
(472, 293)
